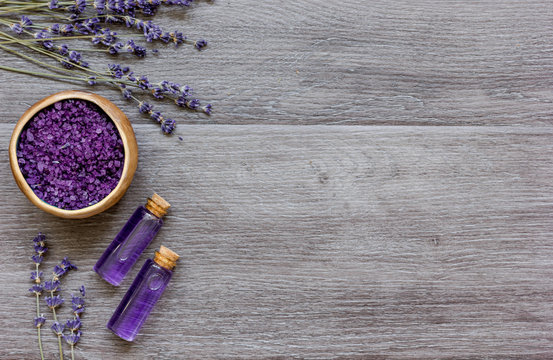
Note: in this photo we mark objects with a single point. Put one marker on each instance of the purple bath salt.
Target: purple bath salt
(71, 154)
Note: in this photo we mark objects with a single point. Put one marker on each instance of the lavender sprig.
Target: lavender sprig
(53, 22)
(74, 325)
(54, 301)
(37, 288)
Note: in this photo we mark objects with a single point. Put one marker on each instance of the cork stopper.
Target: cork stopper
(166, 258)
(157, 205)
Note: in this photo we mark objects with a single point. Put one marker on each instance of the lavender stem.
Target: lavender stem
(56, 320)
(38, 314)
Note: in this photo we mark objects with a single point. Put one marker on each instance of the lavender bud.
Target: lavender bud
(54, 301)
(72, 338)
(36, 275)
(36, 289)
(57, 328)
(67, 264)
(53, 285)
(39, 320)
(207, 109)
(200, 44)
(73, 325)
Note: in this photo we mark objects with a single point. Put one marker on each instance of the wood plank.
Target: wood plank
(350, 62)
(359, 242)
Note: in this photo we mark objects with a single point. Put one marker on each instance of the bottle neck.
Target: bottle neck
(157, 205)
(155, 209)
(164, 261)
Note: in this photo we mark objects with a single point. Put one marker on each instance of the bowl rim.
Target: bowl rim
(128, 139)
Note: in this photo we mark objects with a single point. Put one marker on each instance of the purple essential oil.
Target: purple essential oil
(71, 154)
(134, 237)
(143, 294)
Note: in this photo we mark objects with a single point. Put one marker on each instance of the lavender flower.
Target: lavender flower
(40, 239)
(58, 272)
(72, 338)
(78, 7)
(36, 275)
(43, 34)
(54, 301)
(74, 324)
(77, 303)
(16, 28)
(53, 4)
(84, 18)
(57, 328)
(100, 6)
(144, 107)
(127, 94)
(156, 115)
(137, 50)
(62, 269)
(40, 249)
(54, 29)
(115, 71)
(158, 93)
(36, 289)
(168, 126)
(39, 321)
(200, 44)
(52, 286)
(63, 49)
(25, 22)
(192, 104)
(207, 109)
(143, 83)
(67, 264)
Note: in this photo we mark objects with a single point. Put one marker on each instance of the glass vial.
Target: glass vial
(131, 241)
(143, 294)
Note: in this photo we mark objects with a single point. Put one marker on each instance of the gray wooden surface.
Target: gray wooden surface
(418, 226)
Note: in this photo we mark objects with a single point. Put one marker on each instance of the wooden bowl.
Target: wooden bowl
(125, 132)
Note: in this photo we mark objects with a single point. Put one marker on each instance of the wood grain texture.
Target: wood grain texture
(390, 238)
(360, 242)
(350, 62)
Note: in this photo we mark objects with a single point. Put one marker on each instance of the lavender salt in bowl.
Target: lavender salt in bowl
(73, 154)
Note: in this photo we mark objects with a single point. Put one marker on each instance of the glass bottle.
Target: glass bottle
(131, 241)
(143, 294)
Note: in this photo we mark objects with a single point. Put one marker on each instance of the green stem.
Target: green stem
(101, 76)
(36, 12)
(65, 77)
(42, 64)
(47, 53)
(41, 74)
(38, 328)
(59, 345)
(53, 39)
(33, 3)
(40, 345)
(18, 8)
(72, 352)
(56, 320)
